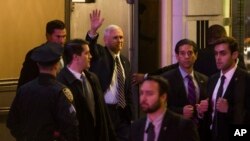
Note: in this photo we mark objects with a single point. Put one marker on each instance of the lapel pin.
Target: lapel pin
(165, 128)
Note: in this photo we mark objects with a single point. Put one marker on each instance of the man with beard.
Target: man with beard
(160, 123)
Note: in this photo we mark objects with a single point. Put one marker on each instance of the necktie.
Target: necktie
(84, 85)
(191, 90)
(220, 90)
(215, 120)
(88, 93)
(120, 82)
(151, 132)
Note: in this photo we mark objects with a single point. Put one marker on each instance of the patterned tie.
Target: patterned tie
(120, 82)
(191, 90)
(151, 132)
(219, 94)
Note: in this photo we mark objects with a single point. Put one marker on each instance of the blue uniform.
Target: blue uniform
(41, 109)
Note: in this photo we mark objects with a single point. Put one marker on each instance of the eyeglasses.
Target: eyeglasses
(183, 53)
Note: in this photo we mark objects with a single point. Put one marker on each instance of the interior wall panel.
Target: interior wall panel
(80, 24)
(22, 27)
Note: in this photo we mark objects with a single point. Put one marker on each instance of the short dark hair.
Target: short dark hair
(214, 33)
(232, 43)
(52, 25)
(73, 47)
(163, 83)
(185, 42)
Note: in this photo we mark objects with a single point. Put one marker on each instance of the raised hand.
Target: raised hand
(95, 21)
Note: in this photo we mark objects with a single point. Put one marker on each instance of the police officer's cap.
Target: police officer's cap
(47, 53)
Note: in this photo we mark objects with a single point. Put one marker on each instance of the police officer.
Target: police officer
(42, 109)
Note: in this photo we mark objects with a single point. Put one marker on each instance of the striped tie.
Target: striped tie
(120, 82)
(191, 90)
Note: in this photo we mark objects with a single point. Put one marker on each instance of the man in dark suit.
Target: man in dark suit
(160, 124)
(55, 32)
(228, 92)
(205, 62)
(106, 63)
(94, 120)
(180, 98)
(42, 109)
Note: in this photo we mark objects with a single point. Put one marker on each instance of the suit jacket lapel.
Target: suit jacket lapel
(141, 130)
(210, 89)
(229, 91)
(212, 84)
(235, 85)
(164, 126)
(92, 84)
(202, 86)
(109, 60)
(238, 80)
(73, 81)
(235, 95)
(125, 66)
(198, 79)
(182, 90)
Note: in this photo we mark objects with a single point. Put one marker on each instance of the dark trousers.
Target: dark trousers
(120, 121)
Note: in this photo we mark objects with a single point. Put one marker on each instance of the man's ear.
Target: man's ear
(75, 57)
(196, 55)
(47, 36)
(177, 57)
(235, 55)
(164, 97)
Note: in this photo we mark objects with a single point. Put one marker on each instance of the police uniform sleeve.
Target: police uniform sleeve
(66, 116)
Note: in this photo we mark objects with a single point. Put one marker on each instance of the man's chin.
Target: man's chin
(144, 108)
(219, 67)
(148, 110)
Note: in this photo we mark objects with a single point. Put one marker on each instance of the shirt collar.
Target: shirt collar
(76, 74)
(230, 73)
(114, 55)
(157, 120)
(184, 74)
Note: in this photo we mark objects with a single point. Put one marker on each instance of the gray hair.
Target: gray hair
(110, 28)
